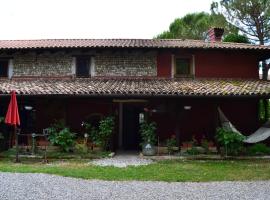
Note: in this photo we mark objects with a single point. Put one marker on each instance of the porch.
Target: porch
(187, 118)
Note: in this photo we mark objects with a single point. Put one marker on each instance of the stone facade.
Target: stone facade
(125, 65)
(103, 64)
(59, 64)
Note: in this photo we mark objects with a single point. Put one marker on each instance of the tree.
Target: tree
(233, 37)
(195, 25)
(251, 17)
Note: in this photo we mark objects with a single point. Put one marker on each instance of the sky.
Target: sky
(56, 19)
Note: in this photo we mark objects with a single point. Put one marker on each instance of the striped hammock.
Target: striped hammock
(260, 135)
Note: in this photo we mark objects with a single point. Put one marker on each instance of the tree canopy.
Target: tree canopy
(251, 17)
(233, 37)
(195, 25)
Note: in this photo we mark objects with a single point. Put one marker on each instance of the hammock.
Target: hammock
(261, 134)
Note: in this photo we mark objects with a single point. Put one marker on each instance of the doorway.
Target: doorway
(131, 136)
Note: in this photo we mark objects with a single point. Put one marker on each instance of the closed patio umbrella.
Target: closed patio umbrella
(13, 118)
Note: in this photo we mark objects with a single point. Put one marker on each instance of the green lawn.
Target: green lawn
(170, 170)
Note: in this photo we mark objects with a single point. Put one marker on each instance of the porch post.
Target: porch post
(120, 135)
(177, 127)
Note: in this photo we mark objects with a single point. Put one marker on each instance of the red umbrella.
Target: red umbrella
(13, 118)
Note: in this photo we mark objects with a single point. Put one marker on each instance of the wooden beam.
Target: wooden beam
(130, 100)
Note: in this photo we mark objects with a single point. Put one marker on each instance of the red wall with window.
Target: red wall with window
(216, 64)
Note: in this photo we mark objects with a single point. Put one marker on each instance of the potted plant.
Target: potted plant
(149, 139)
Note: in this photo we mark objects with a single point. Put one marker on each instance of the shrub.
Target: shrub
(147, 131)
(2, 136)
(106, 127)
(236, 38)
(81, 148)
(91, 131)
(205, 145)
(193, 151)
(231, 141)
(61, 136)
(171, 143)
(101, 135)
(258, 149)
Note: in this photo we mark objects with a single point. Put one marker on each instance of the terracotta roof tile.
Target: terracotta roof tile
(137, 87)
(124, 43)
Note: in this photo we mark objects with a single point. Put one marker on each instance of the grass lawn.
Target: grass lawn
(169, 170)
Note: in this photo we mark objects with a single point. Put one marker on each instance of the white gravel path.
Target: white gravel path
(123, 160)
(16, 186)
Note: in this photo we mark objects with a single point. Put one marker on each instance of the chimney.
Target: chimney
(215, 34)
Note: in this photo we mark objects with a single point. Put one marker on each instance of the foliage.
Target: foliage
(231, 141)
(101, 135)
(195, 25)
(2, 119)
(61, 136)
(259, 149)
(193, 151)
(81, 148)
(106, 127)
(205, 145)
(264, 112)
(171, 143)
(251, 17)
(147, 131)
(91, 131)
(233, 37)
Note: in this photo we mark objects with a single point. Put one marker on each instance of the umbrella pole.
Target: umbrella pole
(17, 146)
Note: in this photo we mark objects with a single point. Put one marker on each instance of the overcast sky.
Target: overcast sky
(41, 19)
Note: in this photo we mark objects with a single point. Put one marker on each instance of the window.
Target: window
(82, 66)
(3, 68)
(183, 67)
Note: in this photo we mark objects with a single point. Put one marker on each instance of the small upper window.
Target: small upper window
(3, 68)
(182, 67)
(82, 66)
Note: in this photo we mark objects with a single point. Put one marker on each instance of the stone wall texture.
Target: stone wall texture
(60, 64)
(42, 65)
(125, 65)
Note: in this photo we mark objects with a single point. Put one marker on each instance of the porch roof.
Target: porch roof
(136, 87)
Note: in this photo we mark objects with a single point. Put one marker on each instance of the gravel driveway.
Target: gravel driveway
(41, 186)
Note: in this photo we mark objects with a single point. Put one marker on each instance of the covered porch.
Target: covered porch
(186, 118)
(184, 108)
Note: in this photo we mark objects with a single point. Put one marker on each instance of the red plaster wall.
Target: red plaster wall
(226, 65)
(78, 110)
(164, 64)
(202, 119)
(215, 64)
(242, 113)
(74, 111)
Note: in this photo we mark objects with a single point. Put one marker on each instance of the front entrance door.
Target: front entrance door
(131, 136)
